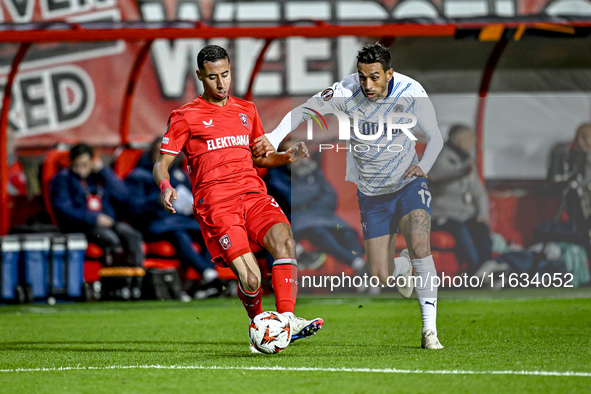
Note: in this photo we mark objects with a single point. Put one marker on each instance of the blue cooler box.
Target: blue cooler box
(35, 263)
(53, 264)
(67, 264)
(10, 250)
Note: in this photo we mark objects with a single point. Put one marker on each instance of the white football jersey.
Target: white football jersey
(376, 160)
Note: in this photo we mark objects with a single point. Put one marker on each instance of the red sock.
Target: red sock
(251, 301)
(285, 284)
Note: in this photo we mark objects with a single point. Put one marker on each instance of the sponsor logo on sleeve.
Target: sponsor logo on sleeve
(398, 108)
(327, 94)
(225, 242)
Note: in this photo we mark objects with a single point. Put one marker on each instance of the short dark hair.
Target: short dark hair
(79, 150)
(211, 53)
(456, 130)
(374, 53)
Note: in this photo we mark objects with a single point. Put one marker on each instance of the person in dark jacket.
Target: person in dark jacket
(180, 230)
(83, 198)
(460, 200)
(312, 213)
(569, 176)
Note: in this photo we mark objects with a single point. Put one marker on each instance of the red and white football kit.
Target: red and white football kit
(230, 200)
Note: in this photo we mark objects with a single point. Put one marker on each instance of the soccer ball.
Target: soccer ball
(269, 332)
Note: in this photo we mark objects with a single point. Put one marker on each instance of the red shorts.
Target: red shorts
(228, 227)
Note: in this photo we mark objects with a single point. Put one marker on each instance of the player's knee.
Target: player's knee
(252, 284)
(280, 241)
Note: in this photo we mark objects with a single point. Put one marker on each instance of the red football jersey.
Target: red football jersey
(217, 141)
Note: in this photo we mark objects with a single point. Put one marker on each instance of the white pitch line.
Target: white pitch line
(307, 369)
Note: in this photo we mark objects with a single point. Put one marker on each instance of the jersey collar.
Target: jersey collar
(390, 86)
(200, 98)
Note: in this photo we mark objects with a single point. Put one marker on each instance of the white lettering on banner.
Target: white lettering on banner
(300, 52)
(50, 100)
(225, 142)
(59, 53)
(174, 61)
(22, 11)
(295, 66)
(323, 63)
(57, 8)
(267, 82)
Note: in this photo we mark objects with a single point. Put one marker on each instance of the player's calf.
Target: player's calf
(249, 286)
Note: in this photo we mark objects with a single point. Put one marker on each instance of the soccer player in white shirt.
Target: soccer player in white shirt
(391, 182)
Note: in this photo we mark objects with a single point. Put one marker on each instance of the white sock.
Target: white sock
(358, 264)
(426, 293)
(209, 274)
(401, 266)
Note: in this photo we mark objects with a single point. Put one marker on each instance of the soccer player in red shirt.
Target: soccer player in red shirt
(216, 132)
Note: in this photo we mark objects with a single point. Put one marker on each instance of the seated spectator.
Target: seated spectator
(313, 204)
(83, 198)
(17, 181)
(569, 170)
(157, 224)
(572, 160)
(460, 201)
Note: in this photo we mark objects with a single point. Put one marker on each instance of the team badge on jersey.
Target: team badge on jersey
(164, 140)
(327, 94)
(398, 108)
(243, 119)
(225, 242)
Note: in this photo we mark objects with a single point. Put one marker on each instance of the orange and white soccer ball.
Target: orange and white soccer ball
(270, 332)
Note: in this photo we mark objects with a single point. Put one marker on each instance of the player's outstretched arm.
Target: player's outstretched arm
(264, 145)
(295, 153)
(162, 178)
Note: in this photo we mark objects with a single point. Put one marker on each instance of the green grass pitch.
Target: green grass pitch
(518, 343)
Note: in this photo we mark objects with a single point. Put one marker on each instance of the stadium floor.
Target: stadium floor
(513, 341)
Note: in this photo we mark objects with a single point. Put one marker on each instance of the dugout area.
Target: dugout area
(474, 69)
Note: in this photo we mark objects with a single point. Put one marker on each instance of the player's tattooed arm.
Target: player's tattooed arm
(295, 153)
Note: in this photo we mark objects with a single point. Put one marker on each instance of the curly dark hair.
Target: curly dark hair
(374, 53)
(211, 53)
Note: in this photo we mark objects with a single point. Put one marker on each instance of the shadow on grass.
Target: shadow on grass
(110, 346)
(220, 348)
